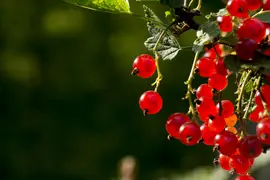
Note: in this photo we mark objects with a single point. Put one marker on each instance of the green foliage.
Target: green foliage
(170, 3)
(168, 47)
(263, 16)
(113, 6)
(213, 16)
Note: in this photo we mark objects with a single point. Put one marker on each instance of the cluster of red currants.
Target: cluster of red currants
(237, 150)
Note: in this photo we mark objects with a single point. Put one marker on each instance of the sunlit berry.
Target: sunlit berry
(144, 66)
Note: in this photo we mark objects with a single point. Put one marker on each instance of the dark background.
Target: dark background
(68, 104)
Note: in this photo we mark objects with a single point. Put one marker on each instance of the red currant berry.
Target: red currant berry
(216, 123)
(214, 52)
(246, 48)
(227, 108)
(208, 135)
(265, 89)
(174, 122)
(224, 162)
(144, 66)
(245, 177)
(239, 163)
(221, 68)
(263, 131)
(204, 91)
(254, 4)
(206, 107)
(206, 67)
(251, 162)
(250, 147)
(255, 115)
(252, 28)
(190, 133)
(266, 5)
(258, 99)
(238, 8)
(150, 102)
(227, 142)
(218, 82)
(225, 23)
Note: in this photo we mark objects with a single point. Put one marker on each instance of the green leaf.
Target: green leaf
(221, 12)
(168, 47)
(113, 6)
(263, 16)
(207, 33)
(249, 86)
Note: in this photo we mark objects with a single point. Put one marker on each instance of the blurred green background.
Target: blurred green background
(69, 106)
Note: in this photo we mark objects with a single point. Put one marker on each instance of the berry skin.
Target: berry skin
(221, 68)
(231, 129)
(214, 52)
(174, 122)
(238, 8)
(255, 115)
(231, 120)
(245, 177)
(190, 133)
(218, 82)
(150, 102)
(239, 163)
(206, 107)
(250, 147)
(266, 5)
(227, 143)
(263, 131)
(246, 48)
(225, 23)
(208, 135)
(265, 89)
(253, 4)
(204, 91)
(206, 67)
(144, 66)
(227, 108)
(224, 162)
(216, 124)
(252, 28)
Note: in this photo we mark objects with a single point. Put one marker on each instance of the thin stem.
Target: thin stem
(185, 3)
(239, 103)
(159, 76)
(199, 5)
(189, 86)
(190, 3)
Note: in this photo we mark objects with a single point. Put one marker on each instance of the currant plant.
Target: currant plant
(234, 41)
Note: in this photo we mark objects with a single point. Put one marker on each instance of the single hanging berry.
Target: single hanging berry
(216, 123)
(263, 131)
(206, 67)
(253, 4)
(218, 82)
(208, 135)
(265, 89)
(227, 108)
(226, 143)
(221, 68)
(245, 49)
(224, 162)
(250, 147)
(189, 133)
(150, 102)
(225, 23)
(266, 5)
(252, 28)
(238, 8)
(174, 122)
(240, 164)
(204, 90)
(144, 66)
(245, 177)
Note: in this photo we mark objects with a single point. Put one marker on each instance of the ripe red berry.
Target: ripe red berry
(144, 66)
(255, 115)
(227, 108)
(217, 123)
(208, 135)
(174, 122)
(206, 106)
(227, 142)
(246, 48)
(150, 102)
(245, 177)
(258, 100)
(238, 8)
(250, 147)
(206, 67)
(266, 5)
(263, 131)
(254, 4)
(239, 163)
(189, 133)
(204, 91)
(214, 52)
(265, 89)
(221, 68)
(252, 28)
(225, 23)
(224, 162)
(218, 82)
